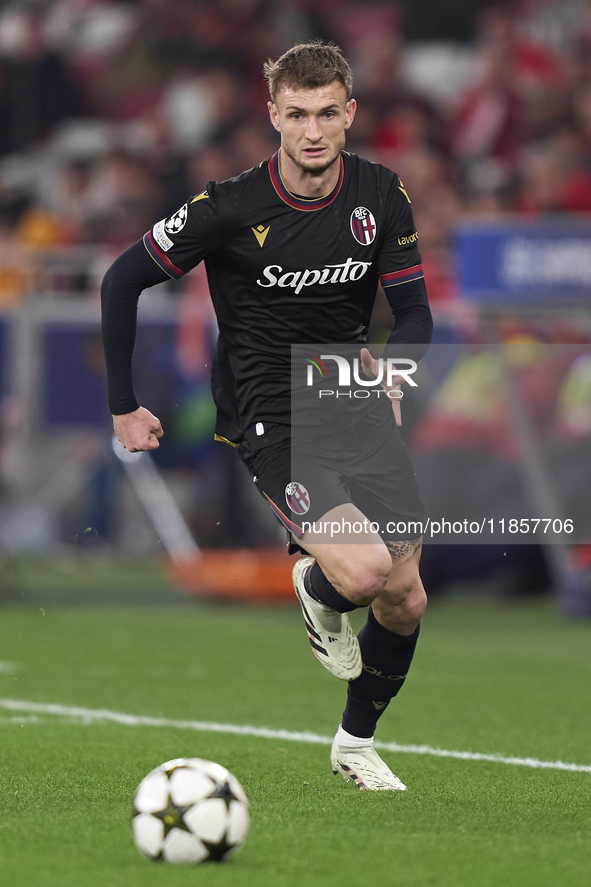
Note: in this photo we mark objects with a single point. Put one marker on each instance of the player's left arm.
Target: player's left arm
(401, 275)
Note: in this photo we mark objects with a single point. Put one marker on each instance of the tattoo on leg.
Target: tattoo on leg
(402, 550)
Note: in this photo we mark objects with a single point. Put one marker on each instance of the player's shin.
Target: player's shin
(386, 660)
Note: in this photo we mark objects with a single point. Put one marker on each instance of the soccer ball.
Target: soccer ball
(189, 811)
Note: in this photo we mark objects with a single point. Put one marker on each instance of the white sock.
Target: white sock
(344, 738)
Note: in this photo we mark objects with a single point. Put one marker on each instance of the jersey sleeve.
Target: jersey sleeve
(401, 275)
(399, 260)
(180, 242)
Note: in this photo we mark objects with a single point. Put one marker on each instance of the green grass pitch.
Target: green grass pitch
(493, 677)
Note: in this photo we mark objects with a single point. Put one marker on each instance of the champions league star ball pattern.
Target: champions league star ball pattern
(190, 811)
(177, 221)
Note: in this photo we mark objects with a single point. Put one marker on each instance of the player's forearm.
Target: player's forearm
(122, 285)
(412, 334)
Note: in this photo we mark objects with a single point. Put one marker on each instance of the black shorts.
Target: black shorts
(302, 486)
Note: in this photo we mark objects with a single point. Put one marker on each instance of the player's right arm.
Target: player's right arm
(138, 431)
(169, 250)
(132, 272)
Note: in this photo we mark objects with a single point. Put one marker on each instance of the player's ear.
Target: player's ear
(274, 115)
(350, 109)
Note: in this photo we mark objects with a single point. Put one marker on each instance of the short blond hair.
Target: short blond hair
(308, 65)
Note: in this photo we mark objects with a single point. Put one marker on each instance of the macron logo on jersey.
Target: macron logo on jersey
(345, 272)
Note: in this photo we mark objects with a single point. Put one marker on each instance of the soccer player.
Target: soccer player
(294, 250)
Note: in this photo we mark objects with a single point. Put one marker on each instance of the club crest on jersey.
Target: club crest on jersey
(363, 226)
(297, 497)
(177, 221)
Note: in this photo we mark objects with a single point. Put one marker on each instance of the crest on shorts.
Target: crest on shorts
(177, 221)
(297, 497)
(363, 226)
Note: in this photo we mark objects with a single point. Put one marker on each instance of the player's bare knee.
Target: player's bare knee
(364, 584)
(411, 609)
(416, 603)
(408, 601)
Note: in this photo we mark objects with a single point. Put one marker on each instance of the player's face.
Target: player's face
(312, 123)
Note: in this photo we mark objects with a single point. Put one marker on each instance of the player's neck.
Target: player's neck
(303, 183)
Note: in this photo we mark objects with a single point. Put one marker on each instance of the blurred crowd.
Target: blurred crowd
(113, 111)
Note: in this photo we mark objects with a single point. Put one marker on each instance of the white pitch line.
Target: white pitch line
(87, 715)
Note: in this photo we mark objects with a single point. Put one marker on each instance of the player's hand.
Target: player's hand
(138, 431)
(370, 368)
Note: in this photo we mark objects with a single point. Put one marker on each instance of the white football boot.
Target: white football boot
(332, 639)
(364, 766)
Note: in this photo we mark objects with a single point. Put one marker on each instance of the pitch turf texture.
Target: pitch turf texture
(494, 677)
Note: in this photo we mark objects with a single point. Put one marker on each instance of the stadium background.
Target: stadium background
(112, 113)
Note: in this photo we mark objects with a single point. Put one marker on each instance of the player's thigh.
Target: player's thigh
(383, 485)
(300, 504)
(352, 556)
